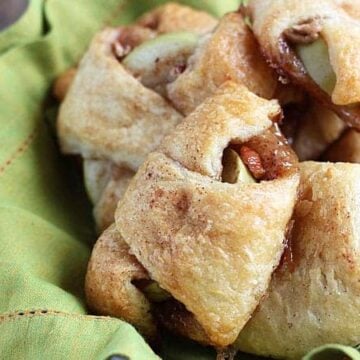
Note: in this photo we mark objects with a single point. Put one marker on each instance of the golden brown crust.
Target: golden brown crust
(234, 114)
(230, 53)
(175, 17)
(170, 17)
(108, 286)
(345, 149)
(199, 238)
(340, 31)
(109, 117)
(99, 119)
(129, 37)
(314, 297)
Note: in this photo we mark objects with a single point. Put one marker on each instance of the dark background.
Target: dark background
(10, 11)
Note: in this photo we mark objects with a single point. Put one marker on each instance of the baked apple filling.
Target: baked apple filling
(159, 61)
(264, 157)
(314, 44)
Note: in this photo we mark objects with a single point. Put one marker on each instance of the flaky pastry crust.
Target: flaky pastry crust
(314, 296)
(107, 114)
(340, 31)
(229, 53)
(108, 285)
(212, 245)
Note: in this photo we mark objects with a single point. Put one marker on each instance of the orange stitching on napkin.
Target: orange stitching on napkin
(20, 150)
(44, 312)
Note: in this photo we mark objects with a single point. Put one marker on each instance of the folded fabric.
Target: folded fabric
(46, 231)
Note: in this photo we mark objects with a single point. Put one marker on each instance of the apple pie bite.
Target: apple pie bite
(315, 45)
(137, 82)
(194, 217)
(314, 296)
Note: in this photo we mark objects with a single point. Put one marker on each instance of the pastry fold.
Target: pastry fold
(211, 245)
(114, 113)
(229, 53)
(108, 114)
(108, 285)
(119, 107)
(281, 25)
(314, 296)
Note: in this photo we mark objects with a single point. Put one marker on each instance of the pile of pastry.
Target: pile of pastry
(219, 155)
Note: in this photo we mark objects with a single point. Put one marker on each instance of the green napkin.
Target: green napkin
(46, 230)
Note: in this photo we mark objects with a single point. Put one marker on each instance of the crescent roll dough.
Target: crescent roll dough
(334, 22)
(229, 53)
(108, 114)
(211, 245)
(171, 17)
(108, 285)
(112, 120)
(314, 296)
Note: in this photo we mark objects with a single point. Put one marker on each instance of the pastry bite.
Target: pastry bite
(206, 216)
(345, 149)
(315, 45)
(114, 113)
(111, 115)
(121, 113)
(168, 18)
(230, 52)
(108, 285)
(314, 295)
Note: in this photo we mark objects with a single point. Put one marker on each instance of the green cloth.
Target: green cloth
(46, 230)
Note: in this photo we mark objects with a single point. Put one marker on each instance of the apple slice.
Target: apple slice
(234, 170)
(315, 57)
(158, 61)
(155, 293)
